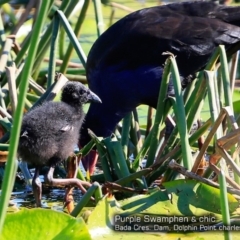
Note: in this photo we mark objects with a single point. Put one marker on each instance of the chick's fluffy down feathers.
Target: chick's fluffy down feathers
(49, 130)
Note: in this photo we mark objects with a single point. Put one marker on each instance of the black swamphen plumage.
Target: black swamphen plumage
(125, 64)
(50, 131)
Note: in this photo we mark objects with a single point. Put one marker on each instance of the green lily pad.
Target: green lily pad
(181, 198)
(193, 195)
(191, 202)
(43, 224)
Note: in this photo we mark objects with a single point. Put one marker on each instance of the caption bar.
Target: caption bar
(153, 223)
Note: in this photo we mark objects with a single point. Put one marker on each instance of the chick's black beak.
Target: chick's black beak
(92, 97)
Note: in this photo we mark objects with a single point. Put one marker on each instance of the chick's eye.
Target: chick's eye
(81, 92)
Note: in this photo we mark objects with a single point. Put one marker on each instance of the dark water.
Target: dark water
(52, 198)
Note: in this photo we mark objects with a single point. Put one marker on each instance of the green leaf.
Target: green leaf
(43, 224)
(198, 195)
(180, 198)
(101, 226)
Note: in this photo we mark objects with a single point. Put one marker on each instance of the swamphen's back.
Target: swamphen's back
(125, 64)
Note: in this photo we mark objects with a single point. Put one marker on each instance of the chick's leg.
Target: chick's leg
(37, 187)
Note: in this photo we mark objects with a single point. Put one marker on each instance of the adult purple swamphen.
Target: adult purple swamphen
(50, 132)
(125, 64)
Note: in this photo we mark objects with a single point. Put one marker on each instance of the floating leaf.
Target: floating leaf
(43, 224)
(196, 204)
(198, 195)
